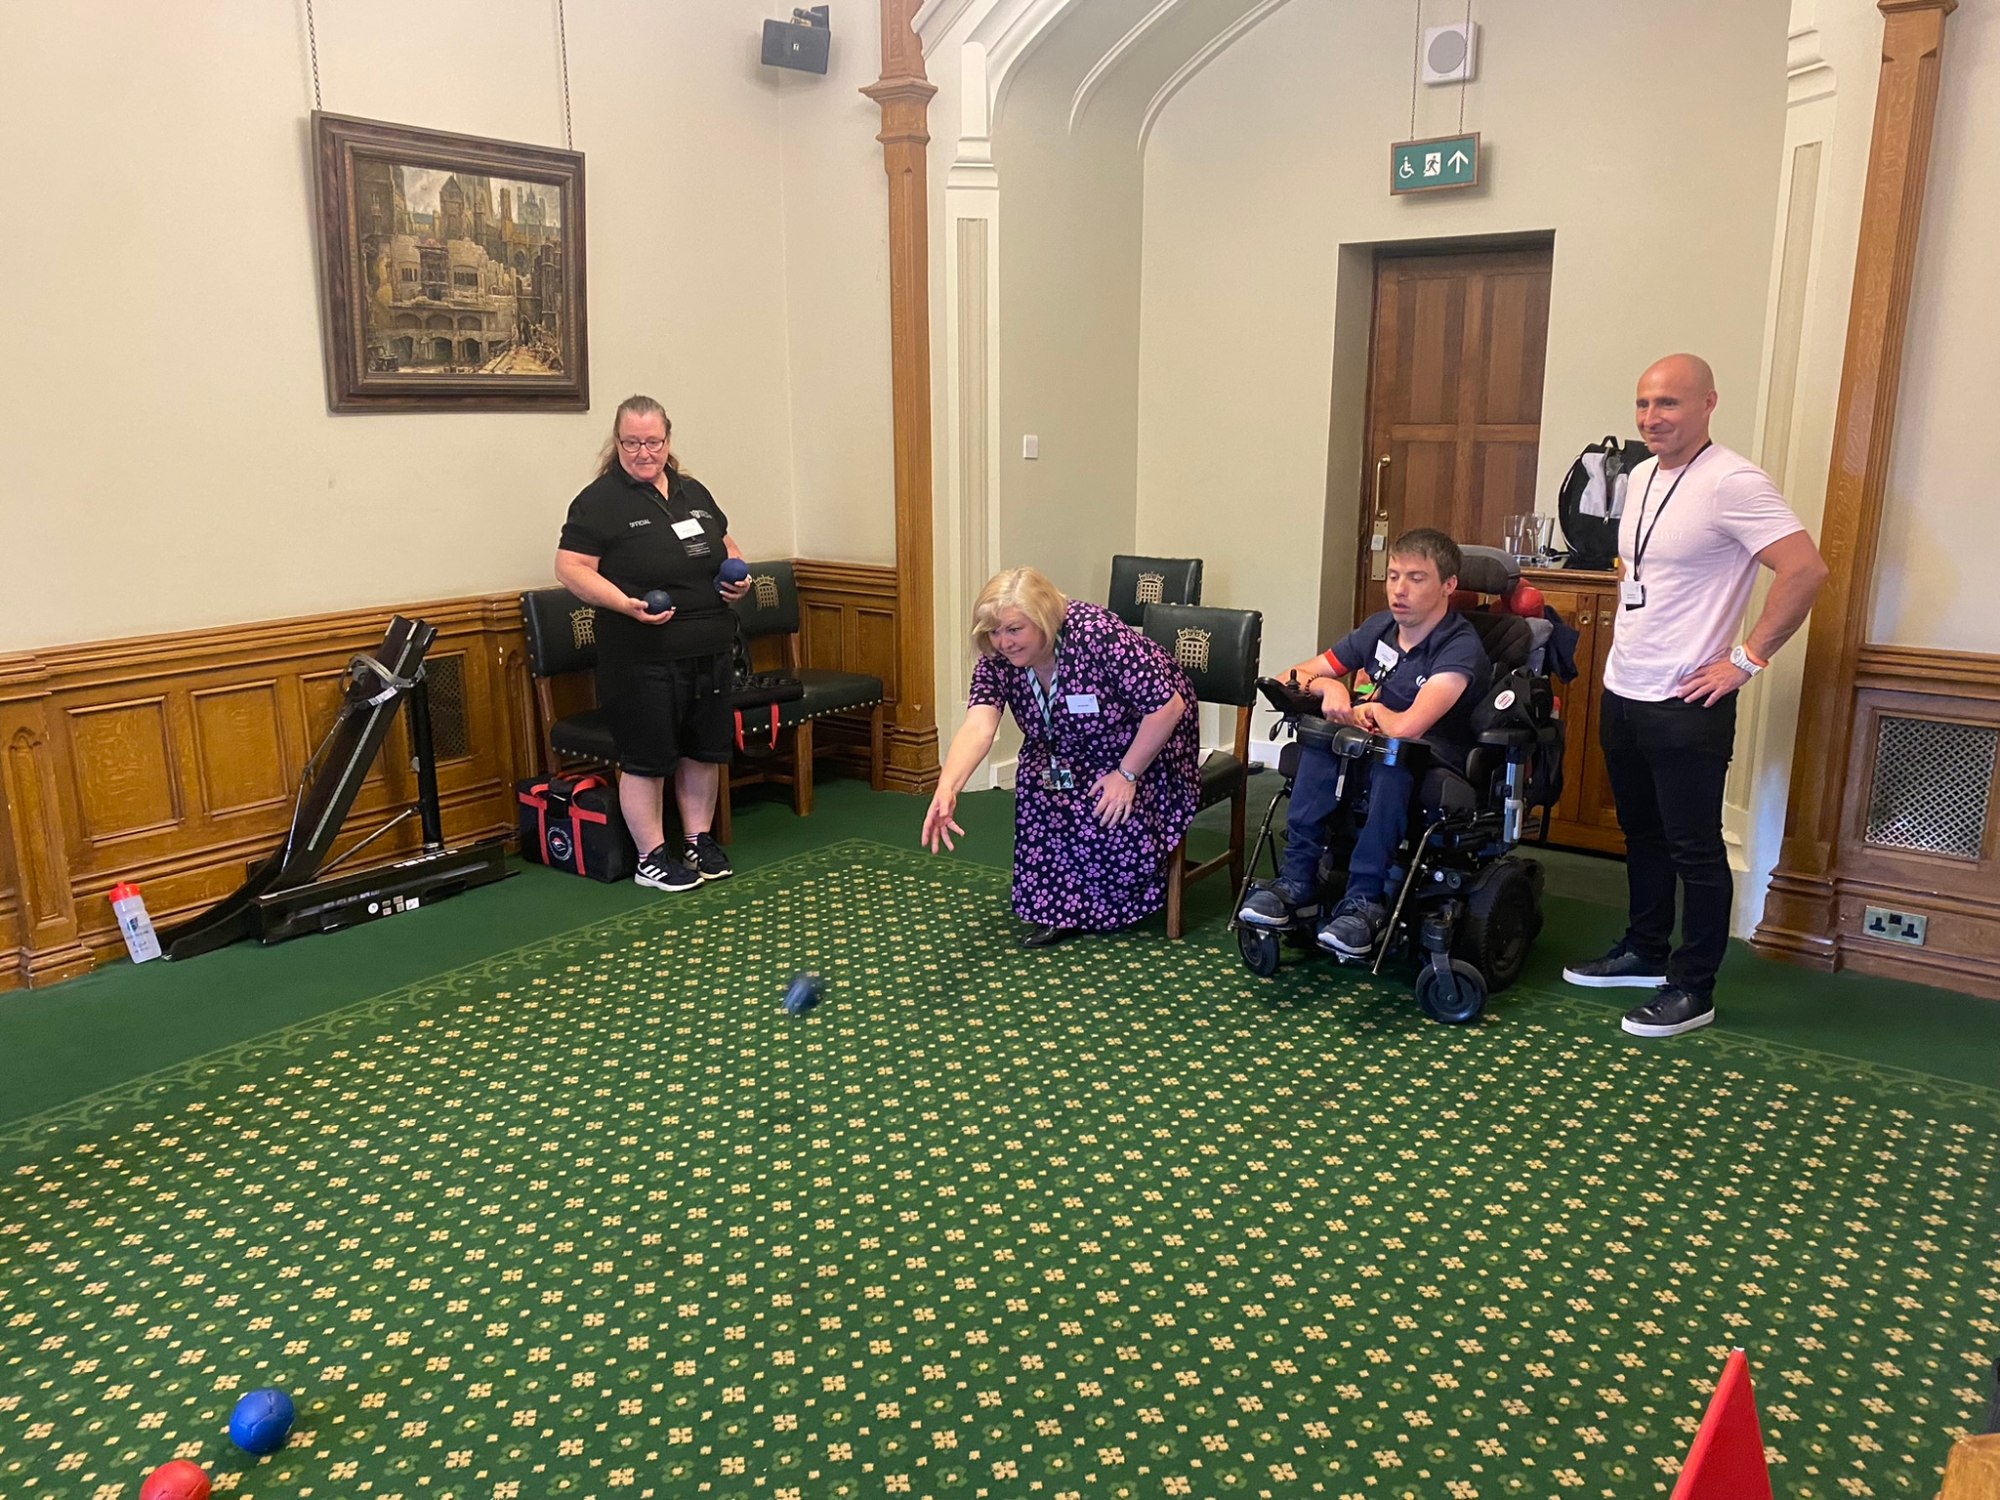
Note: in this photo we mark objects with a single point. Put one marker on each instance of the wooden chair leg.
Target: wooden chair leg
(1176, 885)
(875, 782)
(723, 831)
(802, 768)
(1238, 804)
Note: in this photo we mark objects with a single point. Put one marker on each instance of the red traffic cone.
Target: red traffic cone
(1727, 1459)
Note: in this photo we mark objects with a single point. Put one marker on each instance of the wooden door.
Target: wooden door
(1454, 399)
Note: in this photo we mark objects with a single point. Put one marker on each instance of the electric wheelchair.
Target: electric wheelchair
(1462, 900)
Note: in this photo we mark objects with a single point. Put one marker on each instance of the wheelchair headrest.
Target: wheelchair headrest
(1488, 570)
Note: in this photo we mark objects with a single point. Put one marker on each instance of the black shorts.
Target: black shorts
(661, 711)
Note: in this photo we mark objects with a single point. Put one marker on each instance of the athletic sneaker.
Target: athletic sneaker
(1355, 924)
(704, 856)
(1619, 969)
(663, 872)
(1670, 1012)
(1277, 904)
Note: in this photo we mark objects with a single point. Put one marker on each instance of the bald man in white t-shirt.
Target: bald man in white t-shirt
(1698, 522)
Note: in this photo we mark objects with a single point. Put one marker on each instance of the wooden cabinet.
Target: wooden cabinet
(1585, 817)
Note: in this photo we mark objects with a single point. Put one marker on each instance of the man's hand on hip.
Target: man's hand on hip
(1709, 685)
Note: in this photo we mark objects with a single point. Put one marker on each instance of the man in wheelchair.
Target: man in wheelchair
(1428, 672)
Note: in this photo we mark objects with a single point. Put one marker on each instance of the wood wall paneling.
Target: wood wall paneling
(1802, 910)
(171, 761)
(241, 759)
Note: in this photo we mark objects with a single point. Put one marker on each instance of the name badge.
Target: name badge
(1081, 703)
(686, 529)
(1386, 656)
(1632, 594)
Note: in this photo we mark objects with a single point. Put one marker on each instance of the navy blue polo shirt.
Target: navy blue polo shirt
(1454, 646)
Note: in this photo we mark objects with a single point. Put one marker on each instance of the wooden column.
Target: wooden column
(904, 94)
(1800, 912)
(36, 836)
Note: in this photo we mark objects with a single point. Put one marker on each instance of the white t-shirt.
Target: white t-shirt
(1699, 564)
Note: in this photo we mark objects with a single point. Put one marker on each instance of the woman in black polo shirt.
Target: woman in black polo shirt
(662, 678)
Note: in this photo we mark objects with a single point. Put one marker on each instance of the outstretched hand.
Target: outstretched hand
(938, 823)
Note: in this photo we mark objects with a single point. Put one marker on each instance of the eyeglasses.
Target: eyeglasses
(634, 445)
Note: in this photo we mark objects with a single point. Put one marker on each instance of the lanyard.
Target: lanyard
(1642, 533)
(1045, 697)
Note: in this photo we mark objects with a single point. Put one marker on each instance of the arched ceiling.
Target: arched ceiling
(1118, 62)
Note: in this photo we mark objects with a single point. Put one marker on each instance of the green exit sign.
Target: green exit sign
(1445, 161)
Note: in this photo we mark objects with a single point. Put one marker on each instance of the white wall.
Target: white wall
(168, 455)
(1941, 514)
(1275, 156)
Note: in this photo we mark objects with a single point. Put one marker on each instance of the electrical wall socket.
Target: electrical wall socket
(1894, 926)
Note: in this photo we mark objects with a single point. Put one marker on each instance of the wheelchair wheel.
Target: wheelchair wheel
(1259, 948)
(1455, 999)
(1502, 919)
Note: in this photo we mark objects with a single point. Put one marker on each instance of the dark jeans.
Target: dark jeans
(1667, 763)
(1313, 803)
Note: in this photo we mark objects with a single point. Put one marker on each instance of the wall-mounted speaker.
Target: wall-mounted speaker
(802, 42)
(1451, 53)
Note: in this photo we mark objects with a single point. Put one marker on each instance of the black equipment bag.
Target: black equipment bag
(575, 825)
(754, 698)
(1521, 700)
(1593, 540)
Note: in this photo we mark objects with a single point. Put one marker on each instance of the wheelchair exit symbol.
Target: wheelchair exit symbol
(1441, 162)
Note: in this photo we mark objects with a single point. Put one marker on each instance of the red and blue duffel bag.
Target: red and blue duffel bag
(575, 825)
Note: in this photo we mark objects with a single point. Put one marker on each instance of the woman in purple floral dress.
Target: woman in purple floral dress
(1109, 771)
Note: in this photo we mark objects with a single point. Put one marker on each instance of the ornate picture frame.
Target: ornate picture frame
(451, 270)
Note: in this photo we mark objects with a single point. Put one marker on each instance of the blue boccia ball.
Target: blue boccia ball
(802, 994)
(733, 570)
(262, 1421)
(658, 601)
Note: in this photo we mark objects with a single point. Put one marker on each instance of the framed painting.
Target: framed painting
(451, 270)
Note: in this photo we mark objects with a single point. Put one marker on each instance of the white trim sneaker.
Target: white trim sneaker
(1670, 1012)
(1619, 969)
(662, 871)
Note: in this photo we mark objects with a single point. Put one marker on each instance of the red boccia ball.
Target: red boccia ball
(1527, 601)
(179, 1480)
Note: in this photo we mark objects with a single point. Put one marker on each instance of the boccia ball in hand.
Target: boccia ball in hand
(262, 1421)
(802, 994)
(733, 570)
(179, 1480)
(658, 601)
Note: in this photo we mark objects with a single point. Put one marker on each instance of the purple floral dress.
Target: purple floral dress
(1068, 870)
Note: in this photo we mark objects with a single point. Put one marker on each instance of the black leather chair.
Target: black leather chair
(562, 639)
(771, 610)
(1139, 581)
(1218, 649)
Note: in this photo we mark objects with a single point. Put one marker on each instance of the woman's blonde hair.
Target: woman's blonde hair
(636, 406)
(1016, 588)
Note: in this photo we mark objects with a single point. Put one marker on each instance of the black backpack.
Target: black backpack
(1593, 540)
(1521, 700)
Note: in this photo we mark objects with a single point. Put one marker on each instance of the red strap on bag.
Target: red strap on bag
(774, 730)
(537, 798)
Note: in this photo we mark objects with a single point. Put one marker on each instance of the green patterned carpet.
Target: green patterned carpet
(594, 1218)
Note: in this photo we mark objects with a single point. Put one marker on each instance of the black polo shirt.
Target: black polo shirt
(644, 540)
(1453, 646)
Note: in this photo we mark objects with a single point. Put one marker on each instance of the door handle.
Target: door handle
(1378, 542)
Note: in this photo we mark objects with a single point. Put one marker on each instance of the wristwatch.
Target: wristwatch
(1741, 659)
(1126, 774)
